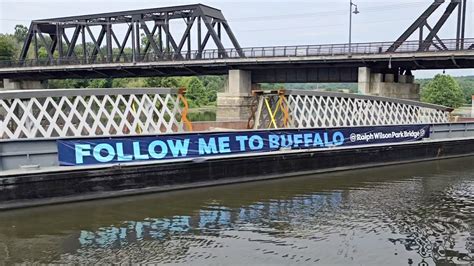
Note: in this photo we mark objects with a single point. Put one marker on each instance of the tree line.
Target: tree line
(201, 91)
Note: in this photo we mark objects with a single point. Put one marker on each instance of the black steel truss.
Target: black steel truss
(432, 38)
(161, 41)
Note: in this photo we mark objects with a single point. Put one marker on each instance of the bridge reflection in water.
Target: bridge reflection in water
(420, 213)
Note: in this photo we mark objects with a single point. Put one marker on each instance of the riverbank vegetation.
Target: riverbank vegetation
(443, 90)
(201, 91)
(466, 85)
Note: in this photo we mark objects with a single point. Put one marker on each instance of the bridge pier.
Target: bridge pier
(10, 84)
(393, 85)
(234, 104)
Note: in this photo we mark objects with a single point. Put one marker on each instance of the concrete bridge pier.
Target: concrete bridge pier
(234, 104)
(393, 85)
(10, 84)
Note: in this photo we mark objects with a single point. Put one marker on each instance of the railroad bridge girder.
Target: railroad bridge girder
(149, 26)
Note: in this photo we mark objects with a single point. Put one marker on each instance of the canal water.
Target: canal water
(417, 214)
(203, 114)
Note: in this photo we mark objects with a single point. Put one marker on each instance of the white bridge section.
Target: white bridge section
(317, 109)
(90, 112)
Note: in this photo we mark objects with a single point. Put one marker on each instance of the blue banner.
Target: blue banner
(90, 151)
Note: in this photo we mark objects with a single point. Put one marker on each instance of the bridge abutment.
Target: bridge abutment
(401, 86)
(10, 84)
(234, 104)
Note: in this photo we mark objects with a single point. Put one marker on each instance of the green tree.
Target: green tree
(100, 83)
(157, 82)
(196, 93)
(467, 85)
(68, 83)
(7, 47)
(213, 84)
(443, 90)
(43, 53)
(170, 82)
(154, 82)
(21, 32)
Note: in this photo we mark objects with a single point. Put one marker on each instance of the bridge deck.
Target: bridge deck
(212, 62)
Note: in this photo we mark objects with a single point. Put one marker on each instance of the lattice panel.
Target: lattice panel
(90, 115)
(318, 111)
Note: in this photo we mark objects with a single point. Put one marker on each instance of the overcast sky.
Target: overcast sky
(266, 23)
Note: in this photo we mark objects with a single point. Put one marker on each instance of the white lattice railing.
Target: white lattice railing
(315, 109)
(91, 112)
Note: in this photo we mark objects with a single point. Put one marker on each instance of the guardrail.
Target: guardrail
(319, 109)
(42, 114)
(253, 52)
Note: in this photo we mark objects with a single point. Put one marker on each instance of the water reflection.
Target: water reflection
(411, 215)
(211, 218)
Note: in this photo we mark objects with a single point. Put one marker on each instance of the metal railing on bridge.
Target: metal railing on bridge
(255, 52)
(91, 112)
(320, 109)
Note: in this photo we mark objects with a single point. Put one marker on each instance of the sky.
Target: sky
(267, 23)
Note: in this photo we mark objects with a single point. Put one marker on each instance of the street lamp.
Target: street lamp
(356, 11)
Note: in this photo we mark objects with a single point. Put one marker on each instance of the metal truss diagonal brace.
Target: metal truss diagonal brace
(233, 39)
(150, 37)
(417, 24)
(97, 43)
(122, 47)
(429, 39)
(171, 40)
(206, 38)
(215, 37)
(186, 33)
(26, 45)
(72, 44)
(436, 37)
(46, 45)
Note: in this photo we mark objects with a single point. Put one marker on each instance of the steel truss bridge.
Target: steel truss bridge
(150, 47)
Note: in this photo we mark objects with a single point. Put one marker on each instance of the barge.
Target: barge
(76, 145)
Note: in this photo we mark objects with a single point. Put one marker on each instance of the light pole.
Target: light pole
(356, 11)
